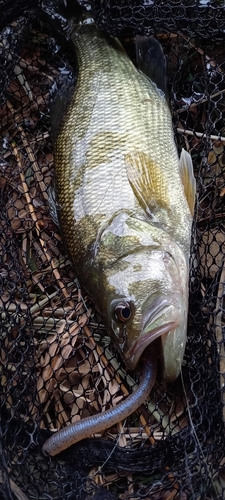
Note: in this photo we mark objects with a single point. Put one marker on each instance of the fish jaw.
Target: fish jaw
(170, 324)
(133, 355)
(173, 341)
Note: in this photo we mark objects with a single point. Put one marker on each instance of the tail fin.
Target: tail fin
(151, 61)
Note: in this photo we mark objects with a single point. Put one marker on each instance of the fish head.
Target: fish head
(146, 296)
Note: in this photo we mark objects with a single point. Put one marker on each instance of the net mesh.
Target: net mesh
(57, 362)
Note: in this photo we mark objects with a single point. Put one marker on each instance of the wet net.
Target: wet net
(57, 361)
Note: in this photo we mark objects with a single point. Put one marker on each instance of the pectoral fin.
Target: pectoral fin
(188, 179)
(147, 181)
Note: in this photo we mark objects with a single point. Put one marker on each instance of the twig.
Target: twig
(34, 163)
(35, 220)
(147, 430)
(200, 135)
(194, 104)
(201, 52)
(15, 489)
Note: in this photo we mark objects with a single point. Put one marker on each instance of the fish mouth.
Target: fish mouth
(156, 323)
(134, 353)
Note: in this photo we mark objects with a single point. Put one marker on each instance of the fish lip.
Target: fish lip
(134, 353)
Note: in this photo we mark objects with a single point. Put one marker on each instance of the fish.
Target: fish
(126, 200)
(126, 205)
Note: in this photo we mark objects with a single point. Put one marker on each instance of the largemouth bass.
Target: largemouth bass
(126, 201)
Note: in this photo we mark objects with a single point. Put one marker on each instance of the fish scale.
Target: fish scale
(123, 209)
(116, 99)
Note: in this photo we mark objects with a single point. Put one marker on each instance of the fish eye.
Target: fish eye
(123, 311)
